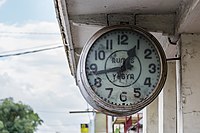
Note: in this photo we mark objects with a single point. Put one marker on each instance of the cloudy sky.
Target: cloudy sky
(42, 79)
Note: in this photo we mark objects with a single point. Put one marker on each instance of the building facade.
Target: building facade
(175, 23)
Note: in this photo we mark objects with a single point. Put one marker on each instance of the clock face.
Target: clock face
(123, 68)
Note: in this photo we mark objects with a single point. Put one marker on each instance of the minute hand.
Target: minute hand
(126, 64)
(114, 69)
(132, 52)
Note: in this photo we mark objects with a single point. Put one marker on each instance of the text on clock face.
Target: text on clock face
(129, 61)
(123, 76)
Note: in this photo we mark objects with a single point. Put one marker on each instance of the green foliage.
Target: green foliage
(17, 118)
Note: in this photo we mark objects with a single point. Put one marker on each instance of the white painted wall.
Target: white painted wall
(150, 117)
(189, 93)
(167, 102)
(191, 82)
(100, 123)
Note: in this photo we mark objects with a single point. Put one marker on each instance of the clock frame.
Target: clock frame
(99, 102)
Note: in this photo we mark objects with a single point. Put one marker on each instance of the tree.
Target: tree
(17, 117)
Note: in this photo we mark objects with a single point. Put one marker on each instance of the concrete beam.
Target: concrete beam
(188, 17)
(152, 22)
(65, 29)
(89, 19)
(163, 23)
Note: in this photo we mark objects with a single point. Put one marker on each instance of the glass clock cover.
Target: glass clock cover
(121, 70)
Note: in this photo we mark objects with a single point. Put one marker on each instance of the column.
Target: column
(167, 102)
(190, 63)
(150, 118)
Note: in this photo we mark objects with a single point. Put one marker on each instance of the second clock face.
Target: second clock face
(121, 70)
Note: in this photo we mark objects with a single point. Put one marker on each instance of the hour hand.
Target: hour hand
(114, 69)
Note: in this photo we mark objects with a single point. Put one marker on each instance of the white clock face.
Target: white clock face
(123, 67)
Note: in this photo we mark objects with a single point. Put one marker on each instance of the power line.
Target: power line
(26, 49)
(29, 52)
(63, 125)
(57, 112)
(57, 131)
(31, 33)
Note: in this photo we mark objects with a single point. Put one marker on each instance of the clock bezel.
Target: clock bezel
(111, 109)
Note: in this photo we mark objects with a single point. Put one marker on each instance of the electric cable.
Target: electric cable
(31, 33)
(25, 49)
(29, 52)
(57, 112)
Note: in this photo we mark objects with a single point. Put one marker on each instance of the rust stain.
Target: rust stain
(194, 112)
(187, 91)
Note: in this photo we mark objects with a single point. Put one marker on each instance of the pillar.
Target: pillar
(190, 63)
(167, 102)
(150, 118)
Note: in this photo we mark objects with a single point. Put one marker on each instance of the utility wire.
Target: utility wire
(26, 49)
(29, 52)
(56, 131)
(31, 33)
(57, 112)
(63, 125)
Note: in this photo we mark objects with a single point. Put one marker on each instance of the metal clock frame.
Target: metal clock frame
(108, 108)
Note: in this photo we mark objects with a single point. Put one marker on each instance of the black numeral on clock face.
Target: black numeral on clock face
(147, 81)
(100, 55)
(137, 92)
(109, 44)
(122, 39)
(110, 91)
(123, 96)
(147, 53)
(152, 68)
(97, 82)
(138, 44)
(93, 68)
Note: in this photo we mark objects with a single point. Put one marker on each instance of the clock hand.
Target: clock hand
(132, 52)
(126, 64)
(114, 69)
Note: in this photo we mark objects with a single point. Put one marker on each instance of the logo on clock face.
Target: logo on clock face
(122, 69)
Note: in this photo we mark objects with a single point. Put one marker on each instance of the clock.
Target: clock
(121, 70)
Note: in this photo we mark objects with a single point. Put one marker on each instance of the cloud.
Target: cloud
(28, 35)
(41, 80)
(2, 2)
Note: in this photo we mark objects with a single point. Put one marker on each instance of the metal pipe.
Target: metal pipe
(106, 123)
(138, 124)
(179, 109)
(73, 112)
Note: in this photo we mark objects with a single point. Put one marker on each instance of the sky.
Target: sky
(41, 79)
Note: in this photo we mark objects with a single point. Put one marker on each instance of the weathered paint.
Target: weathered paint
(190, 82)
(167, 102)
(187, 21)
(150, 119)
(163, 23)
(77, 7)
(188, 15)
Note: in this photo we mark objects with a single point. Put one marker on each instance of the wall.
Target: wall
(167, 102)
(191, 82)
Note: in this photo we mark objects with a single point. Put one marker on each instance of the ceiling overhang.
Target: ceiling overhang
(188, 17)
(80, 19)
